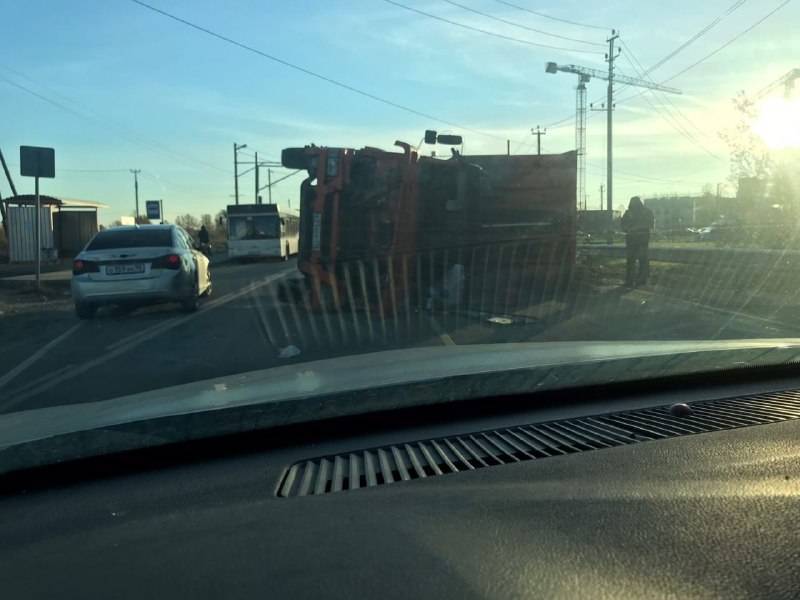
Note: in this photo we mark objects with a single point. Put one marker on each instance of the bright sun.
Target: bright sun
(778, 123)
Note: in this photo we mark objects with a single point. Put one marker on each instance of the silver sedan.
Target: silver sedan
(140, 264)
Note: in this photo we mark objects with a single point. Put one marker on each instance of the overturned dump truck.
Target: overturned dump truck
(382, 229)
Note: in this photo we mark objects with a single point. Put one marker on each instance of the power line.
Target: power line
(60, 170)
(733, 8)
(720, 48)
(84, 116)
(41, 97)
(552, 18)
(521, 26)
(670, 117)
(508, 38)
(729, 42)
(637, 66)
(633, 176)
(697, 35)
(311, 73)
(285, 177)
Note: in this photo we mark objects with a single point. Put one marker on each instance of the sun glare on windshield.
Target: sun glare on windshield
(194, 193)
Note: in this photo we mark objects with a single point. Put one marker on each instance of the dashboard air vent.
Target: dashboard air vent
(429, 458)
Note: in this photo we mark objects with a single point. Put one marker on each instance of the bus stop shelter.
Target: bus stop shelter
(66, 226)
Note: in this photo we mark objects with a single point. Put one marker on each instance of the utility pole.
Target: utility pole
(269, 184)
(585, 74)
(508, 147)
(256, 178)
(10, 184)
(236, 148)
(539, 132)
(602, 206)
(136, 190)
(610, 123)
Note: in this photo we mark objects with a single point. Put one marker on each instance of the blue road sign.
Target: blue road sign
(153, 208)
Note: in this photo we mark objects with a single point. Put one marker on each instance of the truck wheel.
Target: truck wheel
(85, 311)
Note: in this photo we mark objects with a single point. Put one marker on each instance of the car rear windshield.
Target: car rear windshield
(129, 238)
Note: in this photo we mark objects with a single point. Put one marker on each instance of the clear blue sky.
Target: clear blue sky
(129, 88)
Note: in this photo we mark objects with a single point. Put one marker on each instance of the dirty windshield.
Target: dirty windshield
(194, 191)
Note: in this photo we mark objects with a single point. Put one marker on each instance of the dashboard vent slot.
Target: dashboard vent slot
(430, 458)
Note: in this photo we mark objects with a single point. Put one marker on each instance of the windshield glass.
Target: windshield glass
(143, 238)
(389, 184)
(254, 227)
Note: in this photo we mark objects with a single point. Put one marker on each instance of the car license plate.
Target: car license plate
(130, 269)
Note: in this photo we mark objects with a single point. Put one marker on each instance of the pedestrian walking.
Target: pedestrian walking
(637, 222)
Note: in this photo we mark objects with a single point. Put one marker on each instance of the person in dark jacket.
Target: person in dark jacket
(636, 223)
(203, 236)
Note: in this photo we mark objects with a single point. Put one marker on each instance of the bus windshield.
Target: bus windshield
(257, 227)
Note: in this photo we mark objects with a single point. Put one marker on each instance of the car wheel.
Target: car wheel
(208, 286)
(85, 311)
(192, 303)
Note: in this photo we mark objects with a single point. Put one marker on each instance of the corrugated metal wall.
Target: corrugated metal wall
(72, 230)
(22, 236)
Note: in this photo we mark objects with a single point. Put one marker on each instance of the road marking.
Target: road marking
(45, 383)
(37, 355)
(210, 305)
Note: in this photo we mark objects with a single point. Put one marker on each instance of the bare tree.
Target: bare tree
(189, 222)
(749, 154)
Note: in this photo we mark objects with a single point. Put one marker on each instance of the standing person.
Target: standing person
(202, 235)
(636, 223)
(205, 241)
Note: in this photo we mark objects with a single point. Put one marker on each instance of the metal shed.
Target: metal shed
(66, 226)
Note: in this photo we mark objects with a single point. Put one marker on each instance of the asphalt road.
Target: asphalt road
(49, 357)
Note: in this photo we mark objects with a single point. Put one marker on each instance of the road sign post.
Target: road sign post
(36, 162)
(154, 210)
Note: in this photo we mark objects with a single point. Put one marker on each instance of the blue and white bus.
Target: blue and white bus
(262, 230)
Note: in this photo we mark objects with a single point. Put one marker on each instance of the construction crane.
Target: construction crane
(787, 81)
(585, 74)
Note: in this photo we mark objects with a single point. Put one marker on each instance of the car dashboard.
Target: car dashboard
(384, 507)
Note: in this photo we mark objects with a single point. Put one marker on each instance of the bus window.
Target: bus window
(257, 227)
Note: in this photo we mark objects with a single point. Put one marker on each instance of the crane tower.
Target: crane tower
(585, 74)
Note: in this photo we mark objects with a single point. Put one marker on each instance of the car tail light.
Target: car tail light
(79, 267)
(170, 261)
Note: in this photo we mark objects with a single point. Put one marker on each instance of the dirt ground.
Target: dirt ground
(14, 301)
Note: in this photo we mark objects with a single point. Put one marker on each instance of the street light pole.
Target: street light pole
(136, 190)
